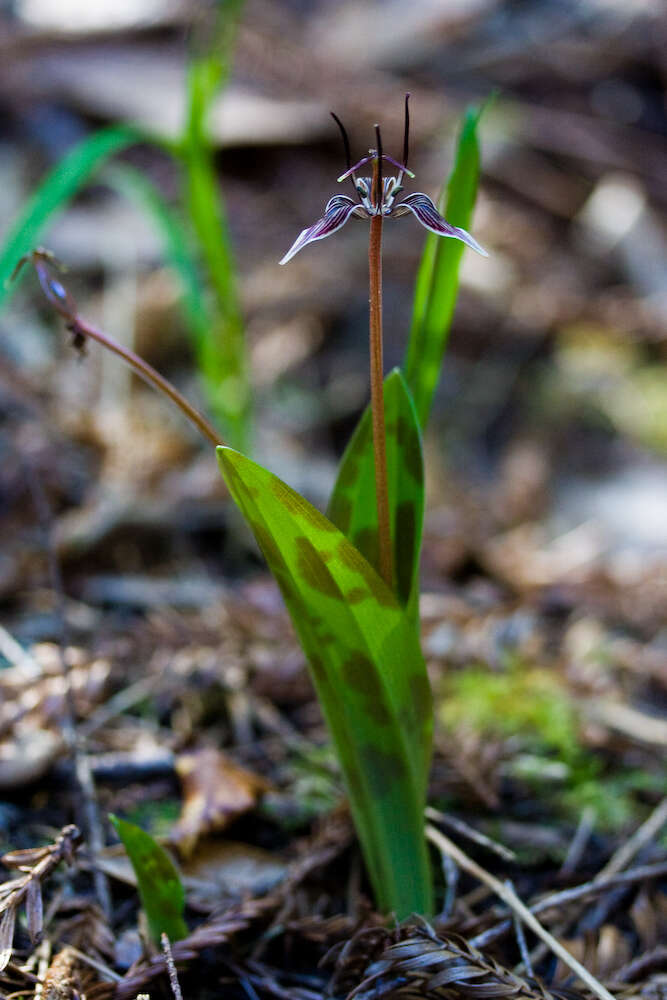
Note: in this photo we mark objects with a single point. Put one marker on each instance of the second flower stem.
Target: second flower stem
(385, 560)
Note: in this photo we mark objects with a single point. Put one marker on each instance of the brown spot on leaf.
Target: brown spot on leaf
(384, 768)
(410, 448)
(405, 539)
(313, 570)
(353, 559)
(356, 595)
(360, 674)
(422, 699)
(269, 547)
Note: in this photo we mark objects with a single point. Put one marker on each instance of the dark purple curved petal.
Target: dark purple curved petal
(426, 212)
(337, 212)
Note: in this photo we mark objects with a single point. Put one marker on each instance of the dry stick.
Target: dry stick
(377, 391)
(83, 775)
(119, 703)
(468, 831)
(94, 964)
(578, 892)
(509, 897)
(171, 968)
(578, 843)
(649, 829)
(520, 936)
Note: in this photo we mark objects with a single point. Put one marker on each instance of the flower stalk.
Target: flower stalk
(377, 197)
(385, 561)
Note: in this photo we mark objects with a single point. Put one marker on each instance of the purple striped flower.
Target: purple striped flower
(365, 205)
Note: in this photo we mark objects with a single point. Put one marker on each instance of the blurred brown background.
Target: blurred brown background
(547, 450)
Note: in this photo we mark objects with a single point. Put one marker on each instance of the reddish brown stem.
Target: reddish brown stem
(80, 327)
(61, 300)
(377, 391)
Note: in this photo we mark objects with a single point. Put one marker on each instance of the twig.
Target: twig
(95, 964)
(512, 900)
(451, 872)
(649, 829)
(578, 844)
(83, 774)
(643, 965)
(468, 831)
(520, 936)
(118, 704)
(577, 893)
(171, 968)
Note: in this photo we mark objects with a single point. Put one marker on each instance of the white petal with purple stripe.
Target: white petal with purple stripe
(338, 210)
(426, 213)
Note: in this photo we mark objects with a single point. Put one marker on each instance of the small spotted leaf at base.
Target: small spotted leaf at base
(160, 887)
(353, 506)
(368, 671)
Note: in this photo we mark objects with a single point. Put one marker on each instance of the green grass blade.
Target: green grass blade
(367, 668)
(59, 186)
(178, 251)
(353, 507)
(223, 357)
(160, 887)
(438, 276)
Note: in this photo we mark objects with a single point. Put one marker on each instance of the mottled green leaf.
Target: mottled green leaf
(438, 277)
(58, 187)
(353, 506)
(160, 887)
(368, 670)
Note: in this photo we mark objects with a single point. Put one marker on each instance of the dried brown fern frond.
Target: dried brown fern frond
(424, 964)
(35, 866)
(209, 935)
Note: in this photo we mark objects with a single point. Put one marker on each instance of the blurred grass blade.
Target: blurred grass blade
(353, 508)
(179, 254)
(223, 355)
(438, 277)
(367, 668)
(160, 887)
(59, 186)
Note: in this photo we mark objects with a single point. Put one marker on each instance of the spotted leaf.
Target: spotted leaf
(368, 671)
(353, 506)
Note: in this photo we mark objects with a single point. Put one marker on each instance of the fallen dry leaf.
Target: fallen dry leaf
(215, 792)
(28, 756)
(233, 869)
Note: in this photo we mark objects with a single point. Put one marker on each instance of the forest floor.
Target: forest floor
(148, 667)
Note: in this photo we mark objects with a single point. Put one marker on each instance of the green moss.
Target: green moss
(532, 706)
(521, 701)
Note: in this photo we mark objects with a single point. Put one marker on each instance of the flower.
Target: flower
(366, 205)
